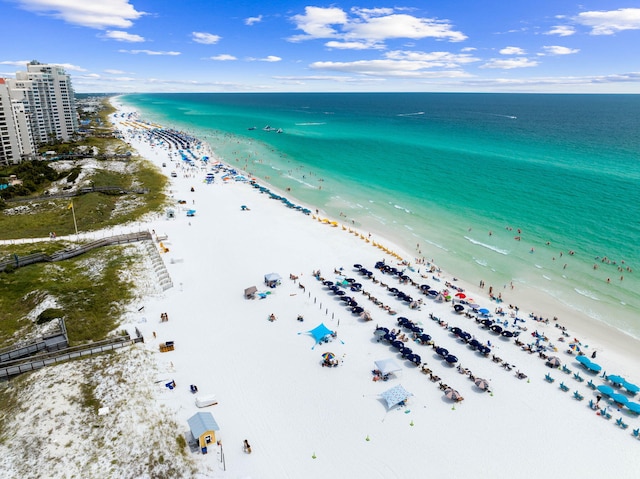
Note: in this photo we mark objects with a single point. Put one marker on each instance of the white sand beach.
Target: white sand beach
(304, 420)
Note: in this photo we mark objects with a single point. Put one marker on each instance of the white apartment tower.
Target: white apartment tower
(16, 140)
(47, 91)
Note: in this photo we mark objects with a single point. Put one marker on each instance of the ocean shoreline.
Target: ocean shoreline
(611, 339)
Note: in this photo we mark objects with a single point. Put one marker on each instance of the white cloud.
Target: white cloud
(561, 31)
(123, 36)
(205, 38)
(389, 68)
(252, 20)
(149, 52)
(114, 72)
(16, 63)
(558, 50)
(402, 26)
(93, 14)
(610, 22)
(371, 12)
(508, 64)
(352, 45)
(433, 59)
(270, 58)
(223, 57)
(316, 22)
(369, 26)
(512, 51)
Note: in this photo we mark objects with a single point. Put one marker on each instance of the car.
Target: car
(164, 165)
(174, 174)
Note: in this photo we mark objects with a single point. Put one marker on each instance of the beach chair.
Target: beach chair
(605, 414)
(621, 423)
(636, 433)
(592, 405)
(577, 377)
(565, 369)
(591, 385)
(548, 378)
(563, 387)
(578, 396)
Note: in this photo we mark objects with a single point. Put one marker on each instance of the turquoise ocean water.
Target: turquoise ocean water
(446, 170)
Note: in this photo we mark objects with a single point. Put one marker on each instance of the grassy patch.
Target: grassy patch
(90, 289)
(37, 218)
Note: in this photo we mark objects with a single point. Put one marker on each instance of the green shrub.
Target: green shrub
(49, 314)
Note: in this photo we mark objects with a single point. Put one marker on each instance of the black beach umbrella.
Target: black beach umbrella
(442, 352)
(357, 310)
(458, 308)
(507, 334)
(496, 329)
(451, 359)
(425, 337)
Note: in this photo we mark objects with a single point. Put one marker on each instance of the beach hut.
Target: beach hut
(250, 292)
(203, 428)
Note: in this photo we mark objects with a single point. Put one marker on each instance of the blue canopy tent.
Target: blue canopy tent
(395, 396)
(320, 333)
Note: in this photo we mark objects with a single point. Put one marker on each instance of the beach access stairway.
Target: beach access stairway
(9, 369)
(71, 252)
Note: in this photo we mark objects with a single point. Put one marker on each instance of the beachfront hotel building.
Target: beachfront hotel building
(48, 103)
(16, 138)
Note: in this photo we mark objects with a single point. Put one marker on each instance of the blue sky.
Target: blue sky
(239, 46)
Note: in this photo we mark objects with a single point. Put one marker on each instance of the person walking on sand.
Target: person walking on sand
(246, 447)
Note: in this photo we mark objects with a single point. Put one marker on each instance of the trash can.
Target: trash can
(204, 450)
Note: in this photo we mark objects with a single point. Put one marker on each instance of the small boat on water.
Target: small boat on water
(279, 130)
(251, 128)
(267, 128)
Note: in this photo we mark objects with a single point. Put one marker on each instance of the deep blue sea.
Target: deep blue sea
(462, 175)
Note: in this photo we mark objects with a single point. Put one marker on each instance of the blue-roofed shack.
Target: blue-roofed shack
(203, 428)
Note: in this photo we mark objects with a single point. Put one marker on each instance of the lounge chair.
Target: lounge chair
(591, 385)
(563, 387)
(565, 369)
(578, 396)
(577, 377)
(622, 424)
(605, 414)
(548, 378)
(636, 433)
(592, 405)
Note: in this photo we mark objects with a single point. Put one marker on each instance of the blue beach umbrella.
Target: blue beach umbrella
(593, 367)
(633, 407)
(619, 398)
(616, 379)
(605, 389)
(483, 311)
(583, 360)
(632, 388)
